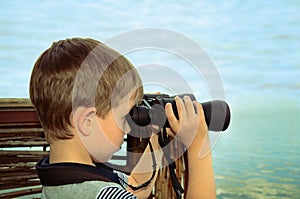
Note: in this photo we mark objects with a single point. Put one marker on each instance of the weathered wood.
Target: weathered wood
(20, 165)
(19, 127)
(28, 153)
(14, 194)
(19, 177)
(20, 184)
(22, 144)
(22, 116)
(10, 172)
(15, 102)
(21, 132)
(19, 159)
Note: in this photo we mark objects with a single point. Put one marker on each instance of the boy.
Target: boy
(83, 91)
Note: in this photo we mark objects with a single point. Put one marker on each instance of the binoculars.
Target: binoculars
(152, 112)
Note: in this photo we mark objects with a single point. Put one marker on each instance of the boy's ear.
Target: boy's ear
(85, 118)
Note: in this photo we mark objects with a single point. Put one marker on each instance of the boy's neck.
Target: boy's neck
(69, 150)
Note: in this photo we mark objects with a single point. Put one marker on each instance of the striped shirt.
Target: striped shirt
(114, 192)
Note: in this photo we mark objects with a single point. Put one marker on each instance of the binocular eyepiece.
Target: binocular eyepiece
(152, 111)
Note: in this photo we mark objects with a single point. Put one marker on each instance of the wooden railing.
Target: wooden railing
(22, 144)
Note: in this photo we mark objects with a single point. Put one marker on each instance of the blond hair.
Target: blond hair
(79, 72)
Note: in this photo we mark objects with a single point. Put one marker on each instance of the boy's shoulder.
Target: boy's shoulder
(66, 180)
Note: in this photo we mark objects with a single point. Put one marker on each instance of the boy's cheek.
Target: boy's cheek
(115, 133)
(99, 146)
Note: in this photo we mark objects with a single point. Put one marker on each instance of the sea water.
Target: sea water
(254, 46)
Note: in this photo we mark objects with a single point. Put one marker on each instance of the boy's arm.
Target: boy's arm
(191, 129)
(144, 170)
(201, 182)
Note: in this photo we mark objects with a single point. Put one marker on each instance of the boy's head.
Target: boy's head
(76, 73)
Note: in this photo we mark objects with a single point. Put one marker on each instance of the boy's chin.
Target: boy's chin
(107, 157)
(102, 159)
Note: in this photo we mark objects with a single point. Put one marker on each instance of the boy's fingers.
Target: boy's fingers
(170, 132)
(155, 128)
(190, 110)
(180, 108)
(170, 116)
(199, 109)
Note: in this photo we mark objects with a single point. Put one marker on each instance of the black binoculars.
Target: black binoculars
(152, 111)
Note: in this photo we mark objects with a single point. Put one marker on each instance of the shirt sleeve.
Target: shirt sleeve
(114, 192)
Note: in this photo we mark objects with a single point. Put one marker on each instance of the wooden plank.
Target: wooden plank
(21, 132)
(18, 116)
(21, 139)
(9, 179)
(5, 171)
(16, 166)
(21, 125)
(13, 153)
(17, 111)
(15, 102)
(7, 144)
(11, 174)
(21, 193)
(22, 184)
(20, 159)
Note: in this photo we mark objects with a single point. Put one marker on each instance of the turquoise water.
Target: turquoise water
(255, 48)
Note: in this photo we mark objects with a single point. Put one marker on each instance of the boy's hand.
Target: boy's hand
(192, 131)
(191, 123)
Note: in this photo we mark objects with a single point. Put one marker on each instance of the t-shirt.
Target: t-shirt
(85, 190)
(74, 180)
